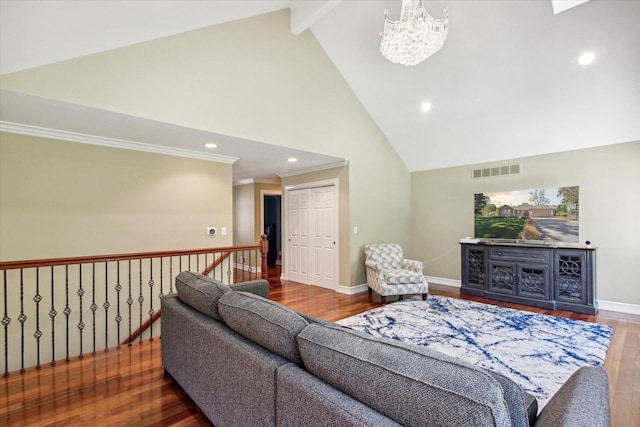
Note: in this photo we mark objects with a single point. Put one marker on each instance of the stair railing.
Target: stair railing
(65, 307)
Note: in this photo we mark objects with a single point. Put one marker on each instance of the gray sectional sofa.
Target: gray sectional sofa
(248, 361)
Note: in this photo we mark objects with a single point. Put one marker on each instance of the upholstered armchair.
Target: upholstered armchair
(388, 273)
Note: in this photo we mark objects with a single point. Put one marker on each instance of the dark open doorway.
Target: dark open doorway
(273, 228)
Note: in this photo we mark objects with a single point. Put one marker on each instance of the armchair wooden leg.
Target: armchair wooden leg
(424, 297)
(369, 291)
(400, 297)
(384, 299)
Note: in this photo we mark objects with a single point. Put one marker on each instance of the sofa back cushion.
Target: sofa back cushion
(410, 384)
(200, 292)
(265, 322)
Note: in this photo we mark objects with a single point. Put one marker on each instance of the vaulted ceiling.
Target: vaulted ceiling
(506, 84)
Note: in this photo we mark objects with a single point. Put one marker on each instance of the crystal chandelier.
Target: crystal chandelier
(415, 37)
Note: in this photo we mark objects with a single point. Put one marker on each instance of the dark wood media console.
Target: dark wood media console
(548, 275)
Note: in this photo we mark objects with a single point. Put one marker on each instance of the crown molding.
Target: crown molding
(111, 142)
(337, 164)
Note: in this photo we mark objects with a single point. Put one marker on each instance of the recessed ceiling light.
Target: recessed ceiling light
(586, 58)
(426, 106)
(292, 159)
(211, 145)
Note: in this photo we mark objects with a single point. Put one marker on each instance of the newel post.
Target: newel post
(264, 243)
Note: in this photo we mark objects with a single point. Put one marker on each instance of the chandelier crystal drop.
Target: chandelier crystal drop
(415, 37)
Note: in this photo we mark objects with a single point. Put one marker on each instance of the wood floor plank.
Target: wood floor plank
(127, 386)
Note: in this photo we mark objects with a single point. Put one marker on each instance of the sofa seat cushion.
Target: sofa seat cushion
(200, 292)
(398, 276)
(410, 384)
(265, 322)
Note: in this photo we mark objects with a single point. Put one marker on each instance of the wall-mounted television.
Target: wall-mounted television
(545, 214)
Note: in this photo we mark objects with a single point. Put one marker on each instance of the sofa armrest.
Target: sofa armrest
(413, 265)
(258, 287)
(582, 400)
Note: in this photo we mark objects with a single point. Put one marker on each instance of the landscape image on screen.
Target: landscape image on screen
(549, 214)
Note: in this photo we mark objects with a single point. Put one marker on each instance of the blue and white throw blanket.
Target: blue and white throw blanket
(539, 352)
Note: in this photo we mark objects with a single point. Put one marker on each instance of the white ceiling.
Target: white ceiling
(506, 83)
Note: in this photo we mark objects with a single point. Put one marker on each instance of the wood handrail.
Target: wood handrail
(13, 265)
(141, 329)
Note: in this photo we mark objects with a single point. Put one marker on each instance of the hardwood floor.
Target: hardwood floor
(127, 387)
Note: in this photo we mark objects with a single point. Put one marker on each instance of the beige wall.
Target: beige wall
(609, 180)
(60, 199)
(251, 79)
(243, 215)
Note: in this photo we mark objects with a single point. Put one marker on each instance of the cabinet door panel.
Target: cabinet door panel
(502, 278)
(475, 268)
(533, 281)
(571, 275)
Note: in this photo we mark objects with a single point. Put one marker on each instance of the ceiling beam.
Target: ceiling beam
(305, 13)
(562, 5)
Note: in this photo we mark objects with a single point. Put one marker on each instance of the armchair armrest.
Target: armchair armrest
(582, 400)
(373, 265)
(413, 265)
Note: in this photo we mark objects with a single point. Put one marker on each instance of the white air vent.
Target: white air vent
(495, 171)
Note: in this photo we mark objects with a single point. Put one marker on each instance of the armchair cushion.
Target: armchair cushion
(397, 276)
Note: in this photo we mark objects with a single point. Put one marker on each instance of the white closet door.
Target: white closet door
(312, 246)
(324, 237)
(299, 239)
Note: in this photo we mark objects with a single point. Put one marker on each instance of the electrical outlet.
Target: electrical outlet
(211, 231)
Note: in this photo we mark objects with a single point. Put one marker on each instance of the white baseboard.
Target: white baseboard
(351, 290)
(620, 307)
(248, 268)
(443, 281)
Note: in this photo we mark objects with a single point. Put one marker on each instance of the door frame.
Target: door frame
(285, 223)
(271, 193)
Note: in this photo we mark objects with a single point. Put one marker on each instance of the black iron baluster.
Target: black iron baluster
(5, 322)
(93, 307)
(198, 263)
(81, 324)
(118, 289)
(189, 259)
(67, 309)
(229, 269)
(37, 298)
(130, 303)
(161, 277)
(151, 283)
(22, 318)
(170, 275)
(140, 299)
(106, 306)
(53, 313)
(244, 262)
